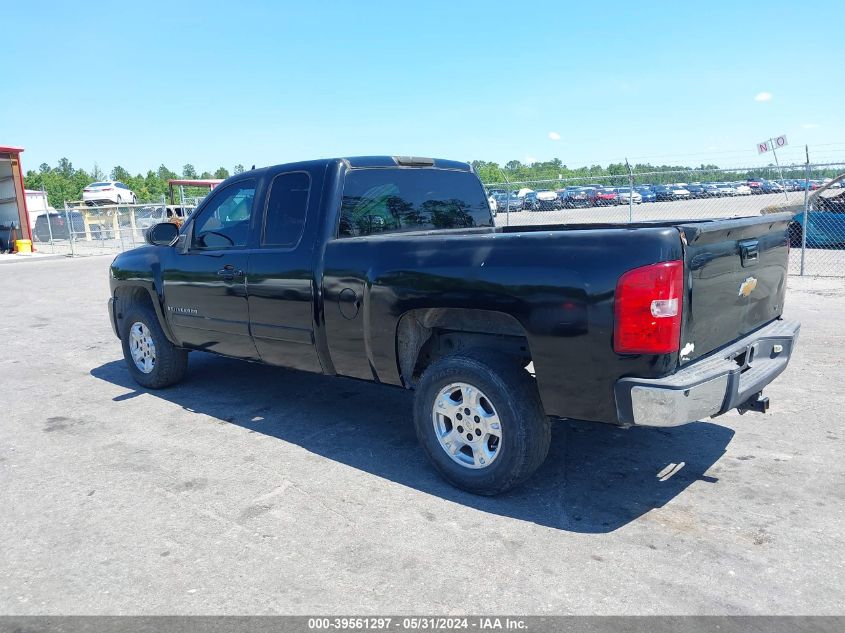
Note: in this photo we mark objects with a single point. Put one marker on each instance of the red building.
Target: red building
(14, 219)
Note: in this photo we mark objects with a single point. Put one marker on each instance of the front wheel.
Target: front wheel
(479, 420)
(153, 361)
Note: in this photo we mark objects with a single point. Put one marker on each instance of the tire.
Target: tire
(498, 384)
(169, 363)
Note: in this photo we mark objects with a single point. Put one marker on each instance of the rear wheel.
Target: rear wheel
(153, 361)
(479, 420)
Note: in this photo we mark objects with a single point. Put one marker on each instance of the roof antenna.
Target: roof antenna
(253, 166)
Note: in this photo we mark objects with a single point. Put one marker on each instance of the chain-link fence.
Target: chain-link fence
(78, 229)
(817, 235)
(640, 196)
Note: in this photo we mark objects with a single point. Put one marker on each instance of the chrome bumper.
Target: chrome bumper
(725, 380)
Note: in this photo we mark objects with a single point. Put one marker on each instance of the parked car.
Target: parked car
(662, 192)
(501, 201)
(711, 190)
(695, 191)
(825, 222)
(646, 194)
(744, 190)
(59, 225)
(494, 206)
(755, 185)
(575, 198)
(626, 197)
(530, 202)
(726, 189)
(670, 314)
(604, 197)
(110, 192)
(671, 192)
(547, 200)
(512, 203)
(770, 186)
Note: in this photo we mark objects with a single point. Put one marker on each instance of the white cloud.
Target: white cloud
(554, 136)
(763, 96)
(530, 160)
(810, 126)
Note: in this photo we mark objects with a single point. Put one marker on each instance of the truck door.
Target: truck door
(205, 285)
(280, 276)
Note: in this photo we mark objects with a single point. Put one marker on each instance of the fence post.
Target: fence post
(69, 231)
(631, 192)
(508, 203)
(49, 220)
(804, 220)
(132, 227)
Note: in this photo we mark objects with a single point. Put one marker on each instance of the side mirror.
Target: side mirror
(162, 234)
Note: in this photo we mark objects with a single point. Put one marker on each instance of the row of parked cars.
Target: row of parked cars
(595, 195)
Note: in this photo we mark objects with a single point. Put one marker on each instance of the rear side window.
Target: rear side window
(286, 209)
(396, 199)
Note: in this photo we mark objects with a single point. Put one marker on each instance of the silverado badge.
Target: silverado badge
(747, 287)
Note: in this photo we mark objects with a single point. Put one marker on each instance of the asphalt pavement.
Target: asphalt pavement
(256, 490)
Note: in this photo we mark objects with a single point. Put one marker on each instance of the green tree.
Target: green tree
(164, 174)
(119, 173)
(221, 173)
(239, 169)
(65, 168)
(188, 171)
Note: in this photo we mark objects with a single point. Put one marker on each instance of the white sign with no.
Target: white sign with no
(772, 144)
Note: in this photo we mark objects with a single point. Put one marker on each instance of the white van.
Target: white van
(36, 204)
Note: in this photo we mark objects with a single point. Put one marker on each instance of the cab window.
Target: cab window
(224, 222)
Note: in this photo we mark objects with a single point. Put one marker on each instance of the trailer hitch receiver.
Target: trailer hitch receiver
(757, 403)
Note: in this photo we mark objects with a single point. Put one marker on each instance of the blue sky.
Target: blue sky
(144, 83)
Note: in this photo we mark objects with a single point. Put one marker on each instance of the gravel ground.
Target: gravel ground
(250, 489)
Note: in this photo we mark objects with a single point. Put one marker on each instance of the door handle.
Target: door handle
(228, 272)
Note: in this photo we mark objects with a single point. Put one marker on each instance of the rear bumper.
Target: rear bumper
(711, 386)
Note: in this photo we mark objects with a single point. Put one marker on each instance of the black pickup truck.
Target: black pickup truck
(390, 269)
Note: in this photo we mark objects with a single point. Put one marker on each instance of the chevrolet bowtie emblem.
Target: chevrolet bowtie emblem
(747, 287)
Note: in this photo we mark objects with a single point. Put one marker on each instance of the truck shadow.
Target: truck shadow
(596, 479)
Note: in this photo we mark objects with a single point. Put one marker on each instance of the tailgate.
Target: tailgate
(736, 279)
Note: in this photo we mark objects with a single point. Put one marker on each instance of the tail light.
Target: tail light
(648, 304)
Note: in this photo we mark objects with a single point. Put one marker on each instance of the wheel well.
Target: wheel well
(126, 296)
(427, 334)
